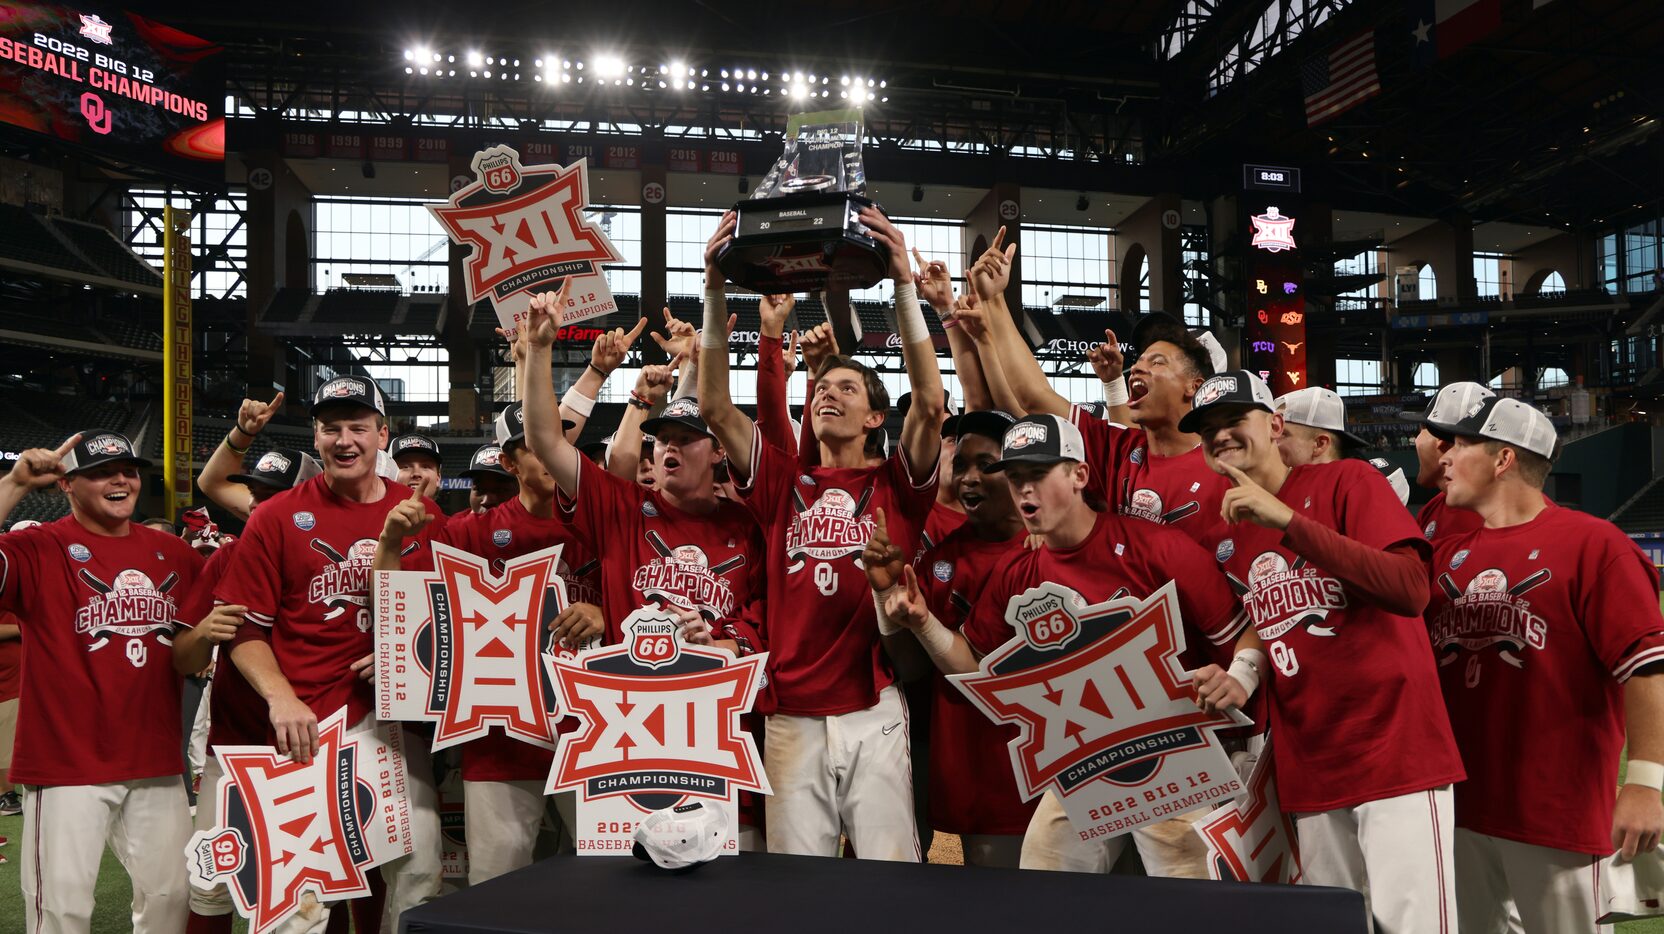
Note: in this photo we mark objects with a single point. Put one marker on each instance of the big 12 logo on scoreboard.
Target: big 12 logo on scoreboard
(1275, 330)
(659, 725)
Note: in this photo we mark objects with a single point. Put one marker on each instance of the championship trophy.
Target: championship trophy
(801, 231)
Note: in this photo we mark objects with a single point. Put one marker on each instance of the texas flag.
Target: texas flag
(1443, 27)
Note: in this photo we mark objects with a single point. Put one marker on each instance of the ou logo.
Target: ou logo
(1008, 210)
(653, 649)
(652, 193)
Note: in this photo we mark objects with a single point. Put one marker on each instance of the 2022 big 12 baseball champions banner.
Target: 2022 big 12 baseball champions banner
(114, 83)
(1106, 716)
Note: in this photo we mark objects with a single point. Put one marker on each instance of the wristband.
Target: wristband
(1245, 668)
(936, 638)
(1648, 774)
(909, 318)
(1115, 392)
(950, 322)
(579, 403)
(235, 449)
(598, 371)
(251, 435)
(714, 334)
(885, 626)
(639, 401)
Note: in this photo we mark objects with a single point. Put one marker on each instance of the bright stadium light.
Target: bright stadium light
(608, 66)
(475, 59)
(422, 53)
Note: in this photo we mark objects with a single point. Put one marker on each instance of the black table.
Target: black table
(766, 892)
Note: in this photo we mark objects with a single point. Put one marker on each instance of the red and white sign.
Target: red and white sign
(660, 725)
(681, 159)
(462, 647)
(1273, 232)
(283, 829)
(1251, 839)
(1106, 718)
(723, 162)
(528, 233)
(432, 149)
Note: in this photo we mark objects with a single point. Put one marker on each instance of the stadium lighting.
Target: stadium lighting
(422, 53)
(475, 59)
(680, 69)
(409, 55)
(609, 66)
(799, 91)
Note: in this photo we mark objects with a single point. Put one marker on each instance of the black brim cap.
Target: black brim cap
(1454, 405)
(358, 391)
(280, 469)
(1039, 439)
(414, 444)
(99, 447)
(986, 423)
(487, 460)
(1230, 389)
(683, 412)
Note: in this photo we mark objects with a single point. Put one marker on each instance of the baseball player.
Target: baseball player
(421, 466)
(502, 777)
(1333, 575)
(100, 598)
(493, 485)
(1101, 555)
(1314, 427)
(837, 750)
(672, 543)
(216, 480)
(1544, 624)
(972, 790)
(236, 714)
(302, 571)
(1449, 405)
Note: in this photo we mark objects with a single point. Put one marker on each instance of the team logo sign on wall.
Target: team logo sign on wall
(283, 829)
(528, 232)
(660, 727)
(1105, 714)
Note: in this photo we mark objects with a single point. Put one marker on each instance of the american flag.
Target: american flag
(1337, 82)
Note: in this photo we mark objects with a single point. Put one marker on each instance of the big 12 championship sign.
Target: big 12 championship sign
(1106, 718)
(115, 83)
(287, 835)
(1251, 839)
(461, 646)
(660, 724)
(528, 232)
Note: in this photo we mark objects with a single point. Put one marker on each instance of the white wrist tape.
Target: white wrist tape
(936, 638)
(909, 318)
(1245, 668)
(1642, 772)
(577, 402)
(886, 627)
(715, 333)
(1115, 392)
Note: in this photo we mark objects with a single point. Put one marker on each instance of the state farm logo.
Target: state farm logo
(1046, 621)
(272, 462)
(93, 27)
(836, 526)
(1280, 596)
(1215, 389)
(652, 725)
(1273, 232)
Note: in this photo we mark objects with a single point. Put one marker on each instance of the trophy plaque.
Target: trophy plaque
(801, 231)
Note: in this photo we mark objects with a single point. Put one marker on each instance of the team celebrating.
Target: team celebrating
(1445, 698)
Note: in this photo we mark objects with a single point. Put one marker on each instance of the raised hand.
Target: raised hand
(543, 316)
(678, 336)
(611, 347)
(1216, 689)
(881, 558)
(970, 313)
(37, 468)
(1247, 501)
(406, 519)
(657, 380)
(991, 272)
(905, 605)
(890, 235)
(577, 624)
(818, 343)
(933, 282)
(774, 309)
(788, 357)
(253, 415)
(1106, 358)
(719, 239)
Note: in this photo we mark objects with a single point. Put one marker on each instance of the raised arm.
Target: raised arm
(543, 432)
(35, 469)
(989, 276)
(227, 459)
(774, 420)
(935, 288)
(716, 405)
(921, 431)
(649, 395)
(1108, 362)
(974, 323)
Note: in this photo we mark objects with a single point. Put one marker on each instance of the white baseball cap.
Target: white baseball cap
(1450, 405)
(1232, 387)
(681, 837)
(1316, 407)
(1511, 422)
(1395, 477)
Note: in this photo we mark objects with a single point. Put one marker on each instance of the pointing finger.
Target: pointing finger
(999, 239)
(1237, 476)
(879, 517)
(1109, 338)
(68, 445)
(277, 401)
(635, 332)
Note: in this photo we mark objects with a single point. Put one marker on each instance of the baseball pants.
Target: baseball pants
(65, 828)
(850, 772)
(8, 734)
(1554, 891)
(196, 751)
(1397, 851)
(996, 850)
(1170, 849)
(502, 820)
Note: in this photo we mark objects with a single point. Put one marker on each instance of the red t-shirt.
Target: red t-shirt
(972, 787)
(1121, 557)
(939, 524)
(1355, 707)
(237, 714)
(100, 700)
(824, 652)
(503, 532)
(1438, 519)
(302, 568)
(11, 661)
(1180, 491)
(655, 554)
(1548, 620)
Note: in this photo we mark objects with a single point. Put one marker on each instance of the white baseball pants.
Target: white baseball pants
(1397, 851)
(1554, 891)
(1170, 849)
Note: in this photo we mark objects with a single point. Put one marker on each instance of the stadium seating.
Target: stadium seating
(25, 237)
(1646, 512)
(370, 308)
(286, 306)
(112, 257)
